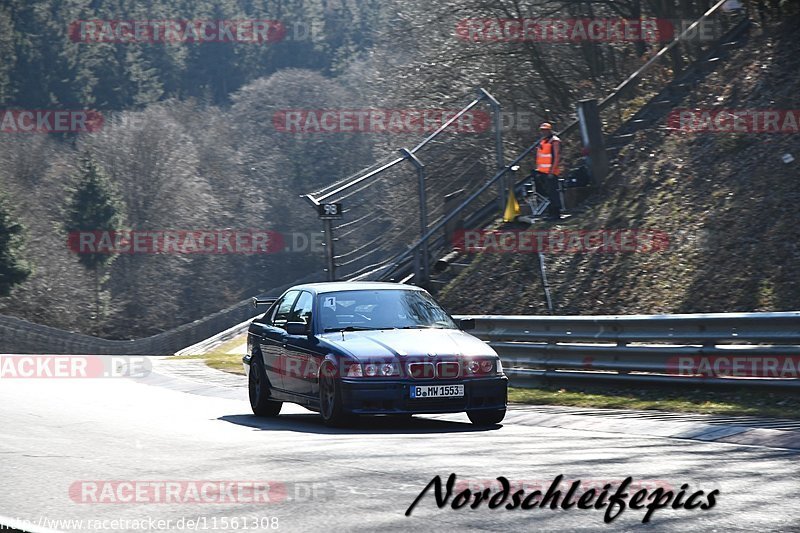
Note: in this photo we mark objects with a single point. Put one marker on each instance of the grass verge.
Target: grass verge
(726, 402)
(219, 357)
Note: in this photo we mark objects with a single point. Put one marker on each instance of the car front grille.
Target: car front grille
(431, 370)
(421, 370)
(448, 370)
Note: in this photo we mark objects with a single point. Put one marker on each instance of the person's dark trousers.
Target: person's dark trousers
(554, 209)
(547, 185)
(540, 181)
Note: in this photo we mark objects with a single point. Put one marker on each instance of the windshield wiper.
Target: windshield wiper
(423, 326)
(348, 328)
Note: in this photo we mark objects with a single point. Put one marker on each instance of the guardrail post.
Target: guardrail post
(331, 264)
(621, 345)
(423, 215)
(497, 115)
(592, 136)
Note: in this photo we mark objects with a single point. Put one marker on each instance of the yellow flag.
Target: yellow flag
(512, 207)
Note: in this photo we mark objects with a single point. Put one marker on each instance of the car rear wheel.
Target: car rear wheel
(486, 418)
(258, 388)
(330, 398)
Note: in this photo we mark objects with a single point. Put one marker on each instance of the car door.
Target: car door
(273, 337)
(298, 352)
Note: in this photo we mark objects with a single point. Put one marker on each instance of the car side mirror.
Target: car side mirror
(297, 328)
(466, 323)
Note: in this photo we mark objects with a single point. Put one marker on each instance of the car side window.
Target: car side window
(283, 308)
(302, 308)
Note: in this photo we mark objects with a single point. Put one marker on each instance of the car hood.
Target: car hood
(407, 342)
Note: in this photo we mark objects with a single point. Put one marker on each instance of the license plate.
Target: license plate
(437, 391)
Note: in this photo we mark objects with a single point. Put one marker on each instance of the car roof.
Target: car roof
(335, 286)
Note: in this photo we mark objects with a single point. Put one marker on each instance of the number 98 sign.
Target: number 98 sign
(330, 211)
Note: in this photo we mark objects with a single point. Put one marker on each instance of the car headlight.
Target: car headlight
(354, 370)
(390, 369)
(372, 370)
(483, 367)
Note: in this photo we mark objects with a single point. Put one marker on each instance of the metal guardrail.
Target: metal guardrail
(739, 349)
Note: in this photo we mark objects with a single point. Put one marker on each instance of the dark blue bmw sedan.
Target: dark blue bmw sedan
(345, 349)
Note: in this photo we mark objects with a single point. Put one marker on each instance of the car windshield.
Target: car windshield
(381, 309)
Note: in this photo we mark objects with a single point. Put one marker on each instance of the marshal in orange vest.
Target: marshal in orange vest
(544, 157)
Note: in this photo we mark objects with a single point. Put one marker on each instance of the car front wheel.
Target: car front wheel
(258, 388)
(486, 418)
(330, 398)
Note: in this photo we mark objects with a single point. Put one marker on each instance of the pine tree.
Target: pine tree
(94, 206)
(13, 269)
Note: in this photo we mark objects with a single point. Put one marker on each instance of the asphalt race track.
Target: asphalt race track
(61, 436)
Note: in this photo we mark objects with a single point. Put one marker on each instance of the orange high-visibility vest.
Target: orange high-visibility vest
(544, 157)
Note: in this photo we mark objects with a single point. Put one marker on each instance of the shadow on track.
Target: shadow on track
(311, 423)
